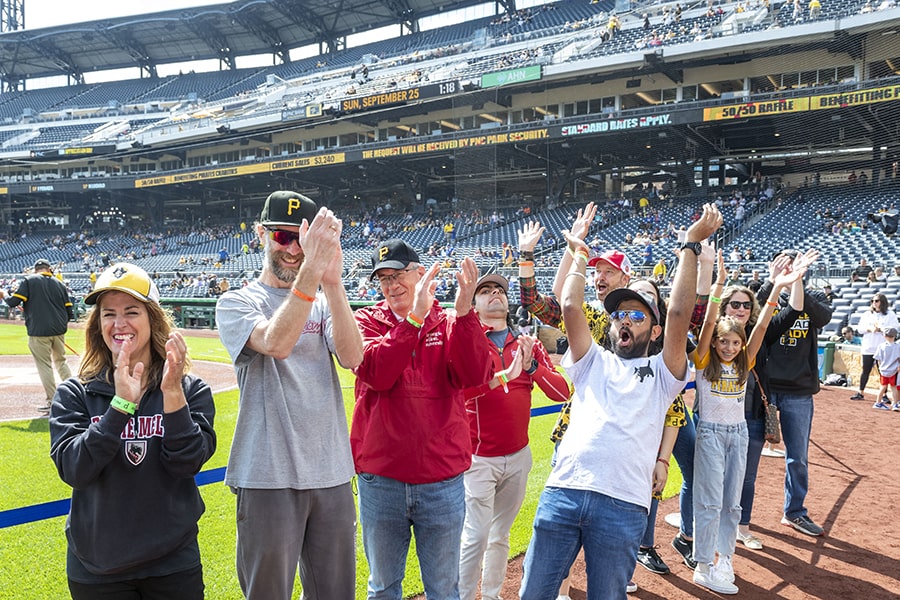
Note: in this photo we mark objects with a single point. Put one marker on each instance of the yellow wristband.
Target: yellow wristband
(123, 405)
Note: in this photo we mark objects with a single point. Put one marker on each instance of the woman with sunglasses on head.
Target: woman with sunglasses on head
(724, 357)
(129, 434)
(872, 325)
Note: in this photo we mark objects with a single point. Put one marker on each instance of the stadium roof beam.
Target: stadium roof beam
(213, 38)
(405, 14)
(64, 61)
(126, 41)
(312, 23)
(267, 34)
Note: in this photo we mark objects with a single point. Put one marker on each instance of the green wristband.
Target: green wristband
(123, 405)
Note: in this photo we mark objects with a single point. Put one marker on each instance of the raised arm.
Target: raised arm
(683, 292)
(580, 227)
(577, 330)
(712, 309)
(544, 308)
(348, 344)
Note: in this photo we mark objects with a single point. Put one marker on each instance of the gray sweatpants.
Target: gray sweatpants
(277, 530)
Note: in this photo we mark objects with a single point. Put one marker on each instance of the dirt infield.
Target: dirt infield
(852, 485)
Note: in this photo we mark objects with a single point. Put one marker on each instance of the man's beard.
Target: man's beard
(282, 273)
(638, 348)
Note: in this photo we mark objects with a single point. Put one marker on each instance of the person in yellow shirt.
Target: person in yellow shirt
(660, 270)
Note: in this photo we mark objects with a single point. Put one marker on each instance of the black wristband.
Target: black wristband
(526, 255)
(533, 367)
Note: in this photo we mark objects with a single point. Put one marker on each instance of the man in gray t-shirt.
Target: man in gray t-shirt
(290, 462)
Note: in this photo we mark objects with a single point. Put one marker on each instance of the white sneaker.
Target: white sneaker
(631, 587)
(724, 568)
(749, 540)
(563, 597)
(713, 581)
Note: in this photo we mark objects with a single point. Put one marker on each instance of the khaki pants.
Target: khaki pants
(47, 349)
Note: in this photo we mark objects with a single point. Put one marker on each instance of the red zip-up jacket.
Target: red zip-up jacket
(498, 420)
(409, 422)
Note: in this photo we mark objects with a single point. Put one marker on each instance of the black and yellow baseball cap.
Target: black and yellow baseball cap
(123, 277)
(286, 209)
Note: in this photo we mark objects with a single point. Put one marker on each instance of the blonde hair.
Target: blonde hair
(97, 361)
(713, 370)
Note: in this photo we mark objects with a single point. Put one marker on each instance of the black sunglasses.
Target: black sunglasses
(283, 237)
(735, 304)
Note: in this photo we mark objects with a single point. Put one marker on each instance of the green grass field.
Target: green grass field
(33, 555)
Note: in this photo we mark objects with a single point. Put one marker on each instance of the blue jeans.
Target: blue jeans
(795, 412)
(756, 430)
(390, 511)
(608, 529)
(719, 462)
(650, 530)
(683, 451)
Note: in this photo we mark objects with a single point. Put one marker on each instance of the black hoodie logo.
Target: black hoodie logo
(644, 371)
(135, 450)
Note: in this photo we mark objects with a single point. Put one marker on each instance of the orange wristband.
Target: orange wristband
(302, 296)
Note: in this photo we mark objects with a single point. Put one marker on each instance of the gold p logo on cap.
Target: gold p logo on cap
(382, 252)
(293, 204)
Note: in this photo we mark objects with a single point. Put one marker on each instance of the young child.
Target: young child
(887, 355)
(723, 359)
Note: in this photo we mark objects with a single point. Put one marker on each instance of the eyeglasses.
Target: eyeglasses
(283, 237)
(735, 304)
(388, 280)
(635, 316)
(876, 299)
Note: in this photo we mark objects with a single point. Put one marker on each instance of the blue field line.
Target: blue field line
(60, 508)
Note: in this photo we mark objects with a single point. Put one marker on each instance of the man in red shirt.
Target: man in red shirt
(499, 412)
(410, 435)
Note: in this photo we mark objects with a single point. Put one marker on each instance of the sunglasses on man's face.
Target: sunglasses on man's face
(635, 316)
(282, 237)
(735, 304)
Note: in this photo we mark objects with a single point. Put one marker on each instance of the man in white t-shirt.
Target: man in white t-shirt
(598, 494)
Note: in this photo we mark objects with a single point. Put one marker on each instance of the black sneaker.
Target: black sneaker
(650, 559)
(804, 524)
(686, 549)
(857, 396)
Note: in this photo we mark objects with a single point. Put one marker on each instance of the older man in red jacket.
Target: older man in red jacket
(410, 436)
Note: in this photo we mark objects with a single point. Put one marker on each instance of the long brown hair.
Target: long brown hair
(97, 361)
(713, 370)
(729, 293)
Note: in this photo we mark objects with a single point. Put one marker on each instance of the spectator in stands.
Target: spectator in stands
(410, 434)
(129, 434)
(851, 179)
(815, 7)
(660, 270)
(499, 413)
(611, 493)
(48, 310)
(793, 379)
(848, 336)
(829, 293)
(290, 463)
(872, 325)
(862, 270)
